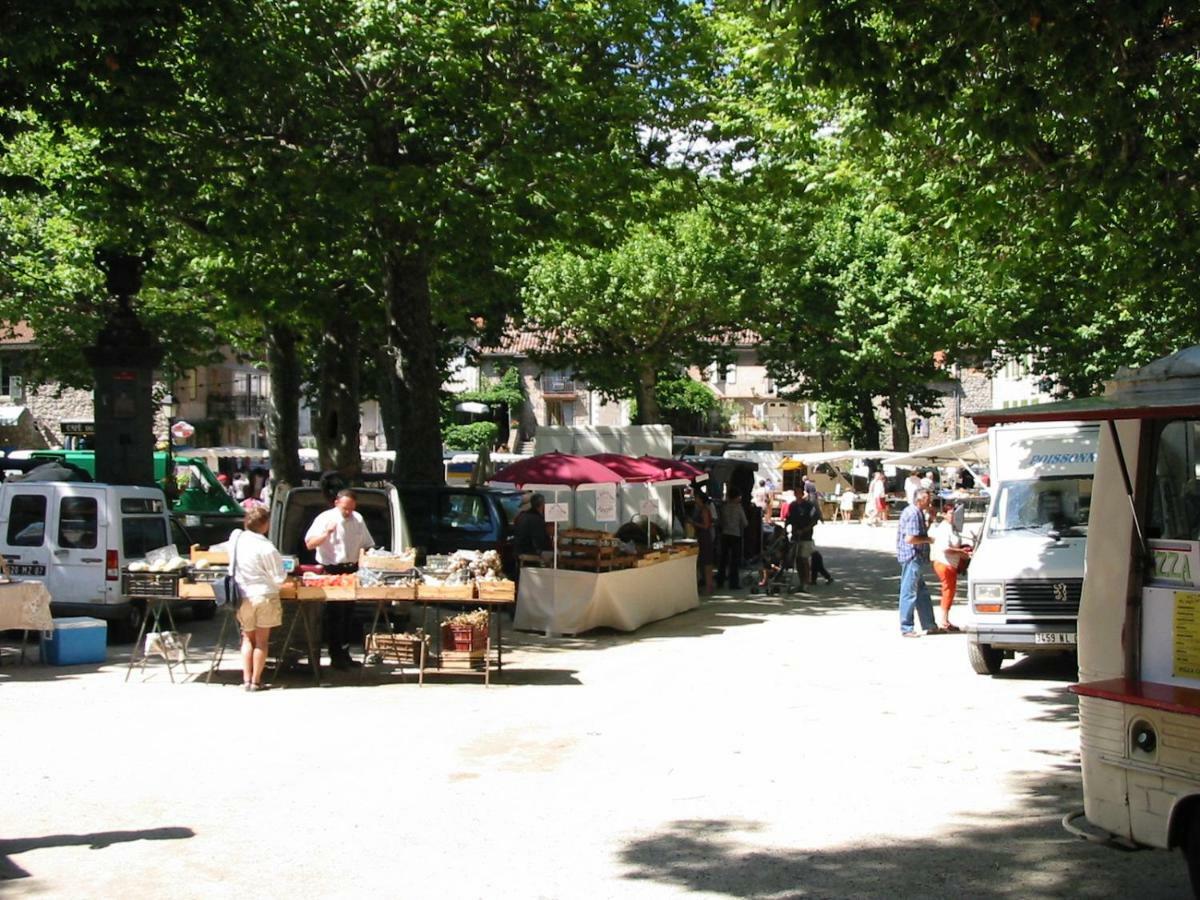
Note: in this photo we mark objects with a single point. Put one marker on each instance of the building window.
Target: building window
(10, 376)
(731, 373)
(560, 412)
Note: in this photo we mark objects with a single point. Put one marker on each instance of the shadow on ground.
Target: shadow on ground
(96, 841)
(1024, 853)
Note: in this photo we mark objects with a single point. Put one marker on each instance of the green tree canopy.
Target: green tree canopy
(665, 297)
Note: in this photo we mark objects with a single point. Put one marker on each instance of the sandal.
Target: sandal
(951, 629)
(910, 634)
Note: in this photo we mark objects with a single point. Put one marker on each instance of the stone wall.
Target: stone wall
(49, 405)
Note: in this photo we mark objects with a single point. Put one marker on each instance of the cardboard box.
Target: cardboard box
(75, 640)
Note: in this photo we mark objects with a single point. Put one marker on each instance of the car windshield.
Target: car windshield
(1044, 505)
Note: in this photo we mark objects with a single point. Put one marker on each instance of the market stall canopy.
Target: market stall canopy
(630, 468)
(555, 469)
(676, 469)
(972, 450)
(832, 456)
(10, 416)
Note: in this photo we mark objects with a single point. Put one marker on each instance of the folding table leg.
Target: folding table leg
(137, 644)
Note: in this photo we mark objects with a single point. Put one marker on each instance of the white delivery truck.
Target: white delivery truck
(1026, 575)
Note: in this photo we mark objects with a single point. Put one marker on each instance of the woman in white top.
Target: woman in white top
(258, 571)
(945, 551)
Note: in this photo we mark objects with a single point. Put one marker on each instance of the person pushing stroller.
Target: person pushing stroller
(802, 518)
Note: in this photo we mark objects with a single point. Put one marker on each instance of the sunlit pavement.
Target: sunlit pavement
(755, 747)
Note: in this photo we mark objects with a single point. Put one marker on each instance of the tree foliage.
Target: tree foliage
(1048, 151)
(658, 301)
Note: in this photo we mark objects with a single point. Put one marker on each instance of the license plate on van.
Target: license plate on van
(26, 569)
(1054, 637)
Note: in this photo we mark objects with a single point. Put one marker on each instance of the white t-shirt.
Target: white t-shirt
(912, 484)
(348, 538)
(848, 499)
(758, 496)
(944, 537)
(259, 570)
(878, 488)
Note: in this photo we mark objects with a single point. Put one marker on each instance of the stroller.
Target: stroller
(778, 563)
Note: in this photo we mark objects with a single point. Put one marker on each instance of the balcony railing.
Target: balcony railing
(556, 384)
(238, 407)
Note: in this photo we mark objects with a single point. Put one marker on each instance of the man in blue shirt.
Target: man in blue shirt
(912, 552)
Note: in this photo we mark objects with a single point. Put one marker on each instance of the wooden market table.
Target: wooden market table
(455, 662)
(439, 660)
(25, 606)
(292, 592)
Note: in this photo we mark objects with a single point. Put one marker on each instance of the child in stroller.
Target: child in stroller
(778, 562)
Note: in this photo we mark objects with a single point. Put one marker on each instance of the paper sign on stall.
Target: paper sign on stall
(606, 502)
(556, 512)
(649, 508)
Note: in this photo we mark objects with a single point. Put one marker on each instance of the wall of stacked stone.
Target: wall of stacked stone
(49, 405)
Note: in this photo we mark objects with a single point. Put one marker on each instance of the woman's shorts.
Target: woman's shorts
(260, 612)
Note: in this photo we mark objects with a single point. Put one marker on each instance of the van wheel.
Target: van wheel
(126, 630)
(985, 659)
(203, 610)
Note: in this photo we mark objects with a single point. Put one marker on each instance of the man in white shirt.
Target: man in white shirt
(912, 484)
(336, 536)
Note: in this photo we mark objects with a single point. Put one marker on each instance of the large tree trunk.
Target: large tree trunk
(338, 413)
(647, 400)
(414, 370)
(899, 422)
(868, 423)
(283, 418)
(389, 402)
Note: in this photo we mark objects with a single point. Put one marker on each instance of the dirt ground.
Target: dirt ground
(753, 747)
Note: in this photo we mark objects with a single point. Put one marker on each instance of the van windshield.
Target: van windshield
(1046, 504)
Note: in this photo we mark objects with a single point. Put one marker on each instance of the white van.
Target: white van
(1026, 575)
(77, 537)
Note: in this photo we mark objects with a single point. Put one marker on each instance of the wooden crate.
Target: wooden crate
(387, 563)
(595, 564)
(464, 659)
(213, 557)
(496, 590)
(402, 648)
(446, 592)
(388, 592)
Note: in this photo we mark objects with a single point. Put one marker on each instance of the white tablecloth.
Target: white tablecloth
(25, 605)
(563, 601)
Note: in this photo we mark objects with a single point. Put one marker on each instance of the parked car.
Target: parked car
(443, 518)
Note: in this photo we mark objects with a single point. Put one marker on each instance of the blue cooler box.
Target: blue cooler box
(75, 640)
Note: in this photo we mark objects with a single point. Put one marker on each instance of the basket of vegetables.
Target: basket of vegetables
(466, 631)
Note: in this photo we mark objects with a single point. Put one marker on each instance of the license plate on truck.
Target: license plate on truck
(1054, 637)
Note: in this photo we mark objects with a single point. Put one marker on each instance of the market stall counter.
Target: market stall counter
(618, 592)
(375, 583)
(24, 606)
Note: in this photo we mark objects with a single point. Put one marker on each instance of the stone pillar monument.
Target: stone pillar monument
(124, 359)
